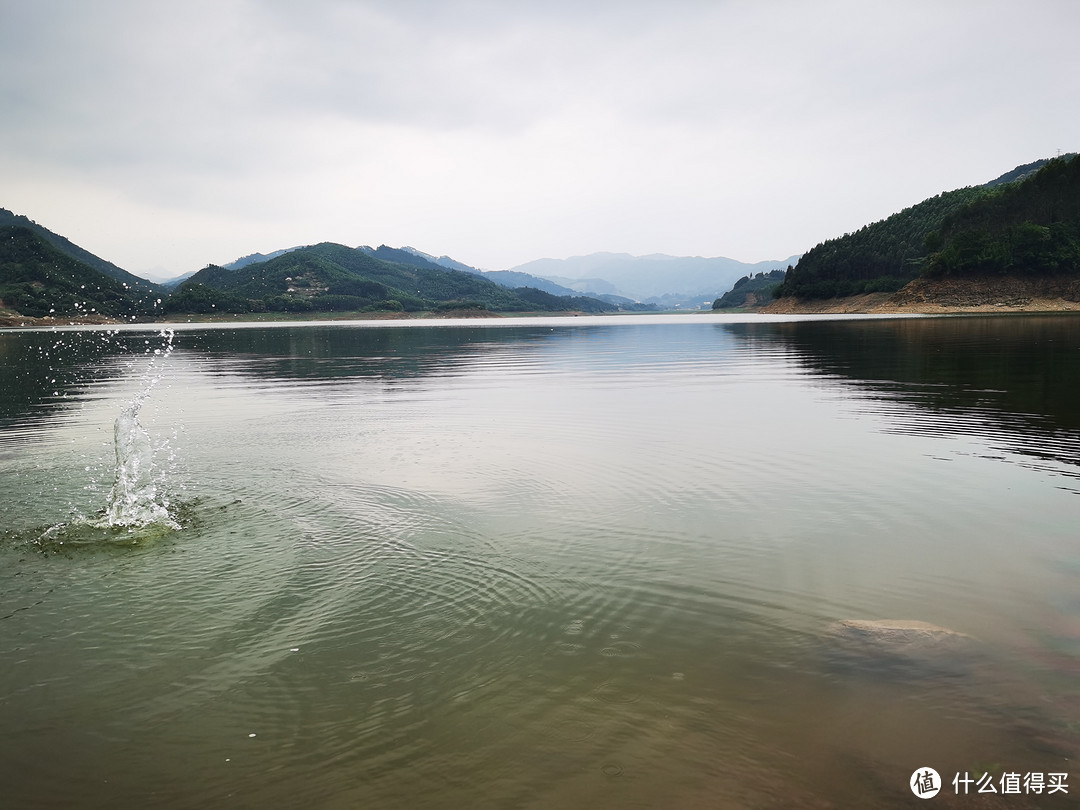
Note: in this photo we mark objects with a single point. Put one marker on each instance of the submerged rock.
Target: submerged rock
(900, 646)
(894, 631)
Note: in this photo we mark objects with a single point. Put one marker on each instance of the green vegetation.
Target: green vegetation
(545, 301)
(1025, 222)
(73, 251)
(38, 280)
(1027, 228)
(752, 290)
(881, 257)
(334, 278)
(199, 298)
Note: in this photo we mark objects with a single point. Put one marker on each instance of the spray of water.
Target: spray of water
(136, 500)
(138, 507)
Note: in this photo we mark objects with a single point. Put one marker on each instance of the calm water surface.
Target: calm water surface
(542, 564)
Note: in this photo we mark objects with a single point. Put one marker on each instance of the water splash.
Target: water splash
(135, 499)
(138, 506)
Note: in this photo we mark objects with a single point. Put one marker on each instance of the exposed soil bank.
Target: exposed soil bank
(8, 318)
(932, 296)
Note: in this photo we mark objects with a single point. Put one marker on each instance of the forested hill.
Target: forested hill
(1026, 228)
(330, 277)
(38, 280)
(1024, 221)
(751, 290)
(68, 248)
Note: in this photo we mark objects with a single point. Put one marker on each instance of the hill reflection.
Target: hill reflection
(45, 373)
(328, 353)
(1014, 380)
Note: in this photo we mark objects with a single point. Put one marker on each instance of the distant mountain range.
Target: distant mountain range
(1027, 222)
(595, 283)
(330, 277)
(658, 280)
(667, 281)
(410, 255)
(39, 280)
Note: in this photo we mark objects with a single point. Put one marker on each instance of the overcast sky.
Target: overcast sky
(164, 136)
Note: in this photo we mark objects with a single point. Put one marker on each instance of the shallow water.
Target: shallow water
(544, 564)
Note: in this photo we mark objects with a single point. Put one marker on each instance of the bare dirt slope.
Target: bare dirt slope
(995, 294)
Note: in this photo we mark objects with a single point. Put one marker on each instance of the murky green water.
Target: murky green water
(545, 564)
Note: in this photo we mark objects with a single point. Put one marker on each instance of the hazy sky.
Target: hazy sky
(163, 136)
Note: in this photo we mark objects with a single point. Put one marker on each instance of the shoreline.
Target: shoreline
(974, 296)
(954, 296)
(12, 320)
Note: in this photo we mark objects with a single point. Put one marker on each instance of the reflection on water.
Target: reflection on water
(1014, 380)
(548, 564)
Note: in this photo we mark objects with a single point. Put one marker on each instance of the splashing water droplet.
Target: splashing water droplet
(135, 499)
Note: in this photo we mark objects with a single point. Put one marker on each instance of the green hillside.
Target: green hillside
(38, 280)
(329, 277)
(545, 301)
(752, 290)
(1024, 221)
(1026, 228)
(68, 248)
(881, 257)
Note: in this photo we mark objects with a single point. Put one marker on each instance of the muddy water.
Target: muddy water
(565, 563)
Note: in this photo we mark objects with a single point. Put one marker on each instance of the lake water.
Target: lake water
(560, 563)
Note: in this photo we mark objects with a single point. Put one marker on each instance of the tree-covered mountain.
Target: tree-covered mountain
(545, 301)
(881, 257)
(1024, 221)
(1019, 173)
(253, 258)
(751, 290)
(441, 261)
(1025, 228)
(70, 249)
(38, 280)
(333, 277)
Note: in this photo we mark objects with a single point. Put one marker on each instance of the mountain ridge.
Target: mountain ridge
(333, 277)
(39, 280)
(1025, 222)
(69, 248)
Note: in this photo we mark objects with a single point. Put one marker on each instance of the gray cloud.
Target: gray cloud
(499, 132)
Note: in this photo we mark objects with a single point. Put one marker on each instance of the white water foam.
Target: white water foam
(136, 500)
